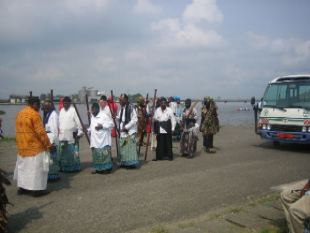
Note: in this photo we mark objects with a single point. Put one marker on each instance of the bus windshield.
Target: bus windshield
(287, 95)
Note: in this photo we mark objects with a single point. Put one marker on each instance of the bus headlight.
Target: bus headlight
(304, 129)
(264, 126)
(268, 127)
(308, 129)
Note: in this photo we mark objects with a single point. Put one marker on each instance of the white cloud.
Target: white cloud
(82, 6)
(174, 34)
(203, 10)
(146, 7)
(186, 32)
(292, 51)
(48, 74)
(30, 18)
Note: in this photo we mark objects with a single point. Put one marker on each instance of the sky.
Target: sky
(189, 48)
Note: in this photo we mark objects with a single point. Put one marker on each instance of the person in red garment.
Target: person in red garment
(114, 108)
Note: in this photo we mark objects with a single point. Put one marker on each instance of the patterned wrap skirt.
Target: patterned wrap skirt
(128, 151)
(69, 157)
(188, 143)
(102, 160)
(53, 173)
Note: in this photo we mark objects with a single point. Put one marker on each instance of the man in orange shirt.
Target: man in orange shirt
(33, 148)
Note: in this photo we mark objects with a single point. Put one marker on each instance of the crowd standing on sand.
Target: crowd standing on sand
(49, 144)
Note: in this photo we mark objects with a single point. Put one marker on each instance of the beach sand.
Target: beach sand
(183, 195)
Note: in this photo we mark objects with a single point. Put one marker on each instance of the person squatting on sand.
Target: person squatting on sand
(296, 205)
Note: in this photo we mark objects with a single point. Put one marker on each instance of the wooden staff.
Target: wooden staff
(115, 125)
(150, 119)
(52, 95)
(144, 113)
(87, 108)
(80, 119)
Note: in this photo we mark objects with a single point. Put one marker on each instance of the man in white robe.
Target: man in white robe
(101, 140)
(70, 130)
(50, 120)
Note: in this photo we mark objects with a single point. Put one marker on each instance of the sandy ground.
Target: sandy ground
(162, 192)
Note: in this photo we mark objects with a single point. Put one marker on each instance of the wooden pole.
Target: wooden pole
(87, 108)
(80, 119)
(144, 112)
(150, 119)
(52, 95)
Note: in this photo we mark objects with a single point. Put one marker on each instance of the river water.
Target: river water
(229, 114)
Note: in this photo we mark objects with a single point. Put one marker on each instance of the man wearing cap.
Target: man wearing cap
(70, 130)
(164, 127)
(33, 147)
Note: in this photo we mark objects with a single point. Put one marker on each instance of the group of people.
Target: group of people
(50, 145)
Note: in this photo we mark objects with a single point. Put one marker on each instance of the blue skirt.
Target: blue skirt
(102, 159)
(53, 172)
(69, 157)
(128, 152)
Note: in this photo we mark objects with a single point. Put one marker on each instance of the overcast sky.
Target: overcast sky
(190, 48)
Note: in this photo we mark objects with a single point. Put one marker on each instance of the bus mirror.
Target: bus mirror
(253, 100)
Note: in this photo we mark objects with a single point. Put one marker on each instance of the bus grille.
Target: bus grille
(286, 128)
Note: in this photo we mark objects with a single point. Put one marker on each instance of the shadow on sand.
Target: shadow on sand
(19, 221)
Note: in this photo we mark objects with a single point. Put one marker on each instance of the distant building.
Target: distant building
(92, 94)
(18, 99)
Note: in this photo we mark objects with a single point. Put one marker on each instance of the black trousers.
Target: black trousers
(208, 141)
(164, 147)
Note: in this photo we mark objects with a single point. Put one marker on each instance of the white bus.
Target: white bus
(285, 113)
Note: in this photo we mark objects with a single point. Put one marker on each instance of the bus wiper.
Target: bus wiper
(299, 106)
(277, 107)
(281, 108)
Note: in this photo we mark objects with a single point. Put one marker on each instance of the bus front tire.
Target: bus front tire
(276, 143)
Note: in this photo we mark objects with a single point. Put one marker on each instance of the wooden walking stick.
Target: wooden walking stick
(150, 121)
(113, 114)
(87, 108)
(146, 120)
(52, 97)
(80, 119)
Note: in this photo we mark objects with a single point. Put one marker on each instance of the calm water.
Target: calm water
(229, 114)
